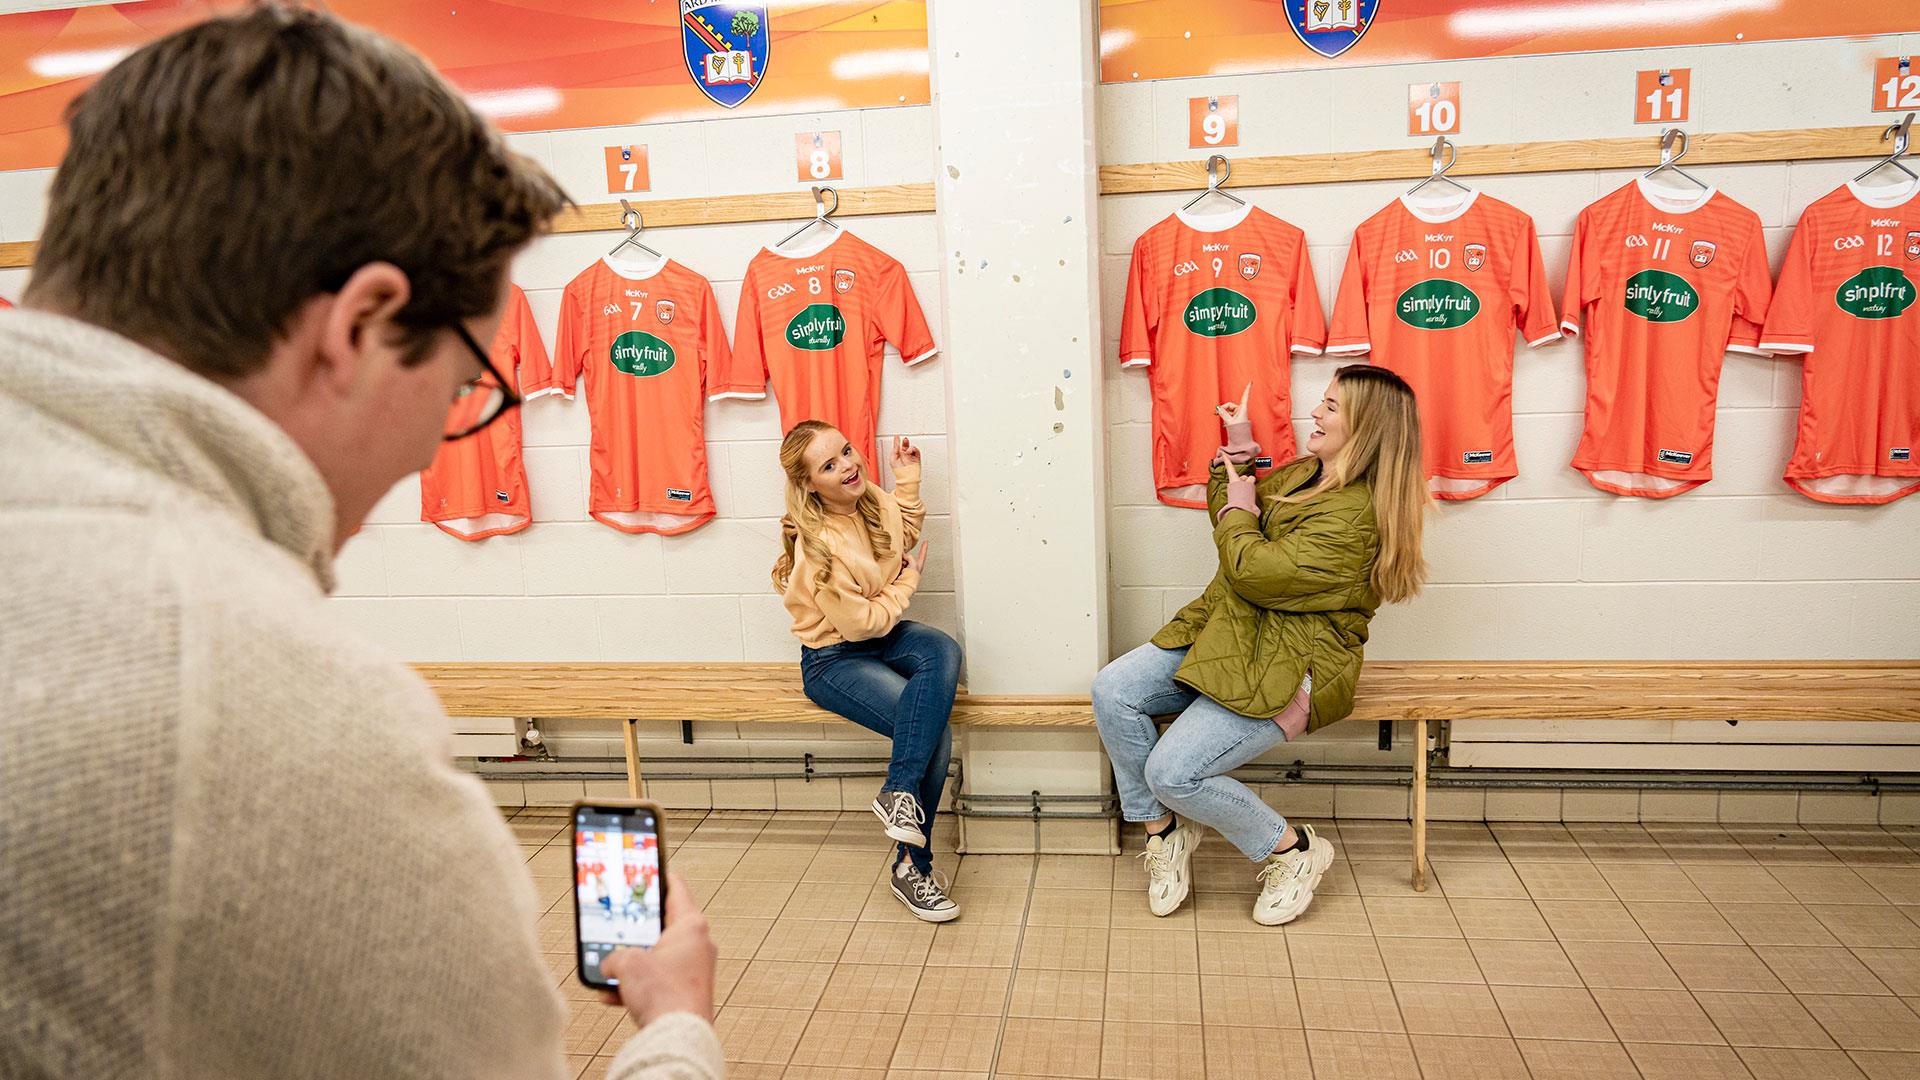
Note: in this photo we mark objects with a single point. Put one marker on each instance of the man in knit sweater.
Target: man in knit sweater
(232, 842)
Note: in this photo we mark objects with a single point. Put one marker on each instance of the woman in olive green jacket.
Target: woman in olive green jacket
(1273, 648)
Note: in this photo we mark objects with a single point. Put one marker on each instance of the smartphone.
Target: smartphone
(620, 881)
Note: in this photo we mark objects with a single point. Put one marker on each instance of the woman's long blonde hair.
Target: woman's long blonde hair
(1382, 448)
(805, 519)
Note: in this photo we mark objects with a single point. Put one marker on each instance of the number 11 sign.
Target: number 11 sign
(1663, 97)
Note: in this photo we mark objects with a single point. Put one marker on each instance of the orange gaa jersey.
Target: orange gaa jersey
(1215, 303)
(1661, 284)
(477, 486)
(1846, 299)
(5, 303)
(816, 321)
(645, 336)
(1435, 291)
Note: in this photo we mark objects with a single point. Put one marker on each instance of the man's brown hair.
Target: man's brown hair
(222, 176)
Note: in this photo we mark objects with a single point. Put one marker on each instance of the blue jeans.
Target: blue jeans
(900, 686)
(1183, 771)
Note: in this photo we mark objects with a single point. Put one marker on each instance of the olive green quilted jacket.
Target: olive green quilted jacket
(1292, 595)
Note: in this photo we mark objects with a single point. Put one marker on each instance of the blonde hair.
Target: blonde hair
(805, 520)
(1382, 448)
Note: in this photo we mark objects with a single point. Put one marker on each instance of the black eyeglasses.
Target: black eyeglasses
(480, 400)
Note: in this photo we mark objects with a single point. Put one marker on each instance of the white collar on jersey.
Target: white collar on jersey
(1439, 211)
(825, 239)
(1215, 222)
(1668, 201)
(636, 269)
(1884, 196)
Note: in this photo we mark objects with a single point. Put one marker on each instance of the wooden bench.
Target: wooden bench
(1418, 691)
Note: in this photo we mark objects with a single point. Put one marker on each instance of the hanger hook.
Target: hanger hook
(1453, 155)
(1898, 133)
(629, 217)
(1226, 171)
(820, 209)
(1667, 138)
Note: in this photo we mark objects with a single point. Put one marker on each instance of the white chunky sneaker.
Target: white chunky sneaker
(900, 812)
(1288, 880)
(1168, 881)
(924, 894)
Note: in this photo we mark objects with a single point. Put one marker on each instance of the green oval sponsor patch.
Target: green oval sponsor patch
(637, 352)
(1437, 304)
(817, 328)
(1219, 313)
(1877, 292)
(1658, 296)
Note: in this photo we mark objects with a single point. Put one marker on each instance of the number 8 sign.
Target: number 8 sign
(818, 154)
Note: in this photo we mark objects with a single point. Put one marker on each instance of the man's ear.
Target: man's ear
(359, 323)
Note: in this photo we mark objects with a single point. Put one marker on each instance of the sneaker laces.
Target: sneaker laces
(1159, 863)
(928, 889)
(906, 810)
(1279, 873)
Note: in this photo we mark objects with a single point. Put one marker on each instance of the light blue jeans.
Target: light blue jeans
(1183, 771)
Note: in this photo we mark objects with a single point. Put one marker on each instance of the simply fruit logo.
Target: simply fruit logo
(1877, 292)
(1437, 304)
(639, 353)
(1658, 296)
(1219, 312)
(817, 328)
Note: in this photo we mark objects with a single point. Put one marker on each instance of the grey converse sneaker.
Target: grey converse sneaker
(900, 812)
(1288, 880)
(1168, 881)
(924, 894)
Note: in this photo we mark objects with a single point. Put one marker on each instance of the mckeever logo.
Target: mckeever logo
(817, 328)
(1437, 304)
(1877, 292)
(1658, 296)
(639, 353)
(1219, 313)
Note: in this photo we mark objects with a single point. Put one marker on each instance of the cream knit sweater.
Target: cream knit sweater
(232, 840)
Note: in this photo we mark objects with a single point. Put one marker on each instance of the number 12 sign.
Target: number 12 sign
(1433, 108)
(1896, 83)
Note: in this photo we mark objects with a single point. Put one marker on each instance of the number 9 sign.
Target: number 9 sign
(1213, 121)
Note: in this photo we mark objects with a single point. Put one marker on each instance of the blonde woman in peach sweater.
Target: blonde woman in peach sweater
(846, 575)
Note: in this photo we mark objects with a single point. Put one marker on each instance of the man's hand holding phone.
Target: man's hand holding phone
(677, 974)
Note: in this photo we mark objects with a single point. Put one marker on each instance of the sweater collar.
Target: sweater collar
(166, 431)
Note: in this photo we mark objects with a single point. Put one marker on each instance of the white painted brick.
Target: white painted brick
(24, 194)
(361, 567)
(1883, 620)
(1280, 113)
(670, 628)
(1503, 541)
(898, 144)
(557, 482)
(400, 505)
(423, 561)
(676, 161)
(590, 559)
(1134, 616)
(752, 154)
(938, 573)
(1373, 102)
(1130, 465)
(1160, 545)
(1543, 445)
(559, 629)
(768, 628)
(554, 421)
(938, 610)
(1126, 123)
(1768, 85)
(721, 556)
(405, 628)
(1807, 540)
(1679, 539)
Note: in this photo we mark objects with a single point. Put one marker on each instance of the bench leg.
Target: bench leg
(633, 757)
(1419, 806)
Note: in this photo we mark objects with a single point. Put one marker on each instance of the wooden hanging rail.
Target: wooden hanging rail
(1569, 155)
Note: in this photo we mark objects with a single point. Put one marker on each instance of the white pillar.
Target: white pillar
(1017, 185)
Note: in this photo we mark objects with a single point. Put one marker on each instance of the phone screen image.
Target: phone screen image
(618, 891)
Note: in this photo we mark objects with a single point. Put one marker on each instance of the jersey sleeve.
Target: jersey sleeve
(569, 350)
(1789, 324)
(535, 367)
(1138, 318)
(1309, 322)
(1532, 300)
(1350, 335)
(1583, 277)
(898, 317)
(1752, 292)
(744, 372)
(716, 355)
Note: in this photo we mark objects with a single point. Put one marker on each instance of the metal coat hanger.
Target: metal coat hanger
(821, 213)
(630, 220)
(1214, 182)
(1669, 157)
(1898, 133)
(1440, 169)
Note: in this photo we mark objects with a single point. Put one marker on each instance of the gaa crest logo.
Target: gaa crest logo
(726, 44)
(1330, 27)
(1476, 256)
(1703, 253)
(663, 311)
(843, 281)
(1249, 266)
(1913, 247)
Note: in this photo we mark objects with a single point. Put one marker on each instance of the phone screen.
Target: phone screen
(618, 888)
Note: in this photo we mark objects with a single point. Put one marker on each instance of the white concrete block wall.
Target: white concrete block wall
(1547, 567)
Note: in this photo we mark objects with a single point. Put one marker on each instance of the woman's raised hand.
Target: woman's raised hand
(904, 452)
(1240, 492)
(1239, 446)
(916, 560)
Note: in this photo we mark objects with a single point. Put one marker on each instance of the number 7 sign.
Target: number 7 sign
(627, 169)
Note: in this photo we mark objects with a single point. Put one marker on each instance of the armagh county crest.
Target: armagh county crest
(1913, 246)
(726, 45)
(1703, 253)
(843, 281)
(1249, 266)
(663, 310)
(1330, 27)
(1476, 256)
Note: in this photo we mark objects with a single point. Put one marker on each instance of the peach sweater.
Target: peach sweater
(864, 597)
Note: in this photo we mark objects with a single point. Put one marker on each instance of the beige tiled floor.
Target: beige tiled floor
(1543, 952)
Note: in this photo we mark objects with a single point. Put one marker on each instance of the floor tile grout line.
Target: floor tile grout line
(1013, 971)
